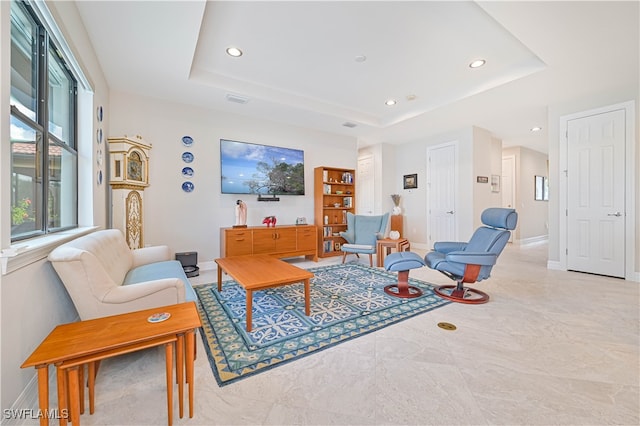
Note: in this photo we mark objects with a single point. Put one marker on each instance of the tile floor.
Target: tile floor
(550, 347)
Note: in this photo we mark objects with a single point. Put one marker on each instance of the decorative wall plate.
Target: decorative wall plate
(187, 140)
(187, 172)
(187, 186)
(99, 177)
(99, 113)
(187, 157)
(99, 135)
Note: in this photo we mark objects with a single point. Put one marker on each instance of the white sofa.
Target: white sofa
(104, 277)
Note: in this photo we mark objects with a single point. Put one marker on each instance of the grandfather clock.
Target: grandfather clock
(129, 176)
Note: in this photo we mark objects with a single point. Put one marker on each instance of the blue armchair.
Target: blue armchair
(472, 262)
(362, 234)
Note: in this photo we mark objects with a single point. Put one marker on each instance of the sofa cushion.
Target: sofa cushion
(110, 250)
(160, 270)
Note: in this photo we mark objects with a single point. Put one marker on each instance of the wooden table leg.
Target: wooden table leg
(43, 391)
(307, 297)
(92, 385)
(81, 387)
(249, 305)
(62, 395)
(169, 361)
(74, 395)
(191, 350)
(180, 372)
(219, 278)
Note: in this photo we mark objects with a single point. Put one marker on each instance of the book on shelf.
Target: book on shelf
(348, 202)
(327, 188)
(325, 175)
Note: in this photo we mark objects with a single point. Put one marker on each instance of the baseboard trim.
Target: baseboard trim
(532, 240)
(25, 408)
(555, 265)
(207, 266)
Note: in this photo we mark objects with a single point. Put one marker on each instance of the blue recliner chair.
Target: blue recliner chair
(362, 234)
(472, 262)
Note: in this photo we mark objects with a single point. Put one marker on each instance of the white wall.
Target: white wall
(385, 182)
(192, 221)
(487, 161)
(32, 300)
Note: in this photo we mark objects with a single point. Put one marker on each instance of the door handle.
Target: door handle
(449, 212)
(616, 214)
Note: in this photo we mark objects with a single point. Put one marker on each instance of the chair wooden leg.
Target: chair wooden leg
(344, 256)
(370, 260)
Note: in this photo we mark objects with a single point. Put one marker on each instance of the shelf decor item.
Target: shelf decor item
(396, 204)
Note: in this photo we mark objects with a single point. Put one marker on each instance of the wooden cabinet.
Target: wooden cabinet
(280, 241)
(274, 240)
(334, 196)
(237, 242)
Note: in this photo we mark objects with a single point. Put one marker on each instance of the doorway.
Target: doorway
(509, 185)
(365, 185)
(442, 188)
(598, 163)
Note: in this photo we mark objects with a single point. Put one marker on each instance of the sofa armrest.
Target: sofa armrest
(173, 287)
(146, 255)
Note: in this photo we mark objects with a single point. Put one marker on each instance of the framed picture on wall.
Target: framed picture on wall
(410, 181)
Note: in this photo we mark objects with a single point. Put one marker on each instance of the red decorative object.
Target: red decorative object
(270, 221)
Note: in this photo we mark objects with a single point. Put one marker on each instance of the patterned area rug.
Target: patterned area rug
(347, 301)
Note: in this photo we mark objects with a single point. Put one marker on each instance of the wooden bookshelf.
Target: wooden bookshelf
(334, 196)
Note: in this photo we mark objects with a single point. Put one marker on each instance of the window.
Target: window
(44, 156)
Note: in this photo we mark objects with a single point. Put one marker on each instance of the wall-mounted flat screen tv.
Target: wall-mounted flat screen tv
(248, 168)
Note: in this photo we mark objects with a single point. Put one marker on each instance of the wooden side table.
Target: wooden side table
(70, 346)
(384, 246)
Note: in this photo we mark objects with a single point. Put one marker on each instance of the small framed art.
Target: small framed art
(410, 181)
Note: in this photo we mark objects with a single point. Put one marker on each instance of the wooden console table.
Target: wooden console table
(278, 241)
(384, 246)
(70, 346)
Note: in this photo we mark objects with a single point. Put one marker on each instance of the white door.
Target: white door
(441, 187)
(508, 181)
(508, 184)
(365, 185)
(596, 194)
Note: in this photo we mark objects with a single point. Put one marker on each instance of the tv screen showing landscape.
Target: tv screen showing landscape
(248, 168)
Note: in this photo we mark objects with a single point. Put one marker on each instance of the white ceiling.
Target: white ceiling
(299, 63)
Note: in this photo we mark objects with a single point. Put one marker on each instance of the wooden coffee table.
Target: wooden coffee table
(259, 272)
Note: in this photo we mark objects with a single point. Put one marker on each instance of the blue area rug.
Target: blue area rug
(347, 301)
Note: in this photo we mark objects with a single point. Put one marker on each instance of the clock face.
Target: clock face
(134, 171)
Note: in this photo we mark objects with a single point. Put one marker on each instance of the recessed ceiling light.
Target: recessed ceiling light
(390, 102)
(234, 51)
(536, 129)
(360, 58)
(411, 97)
(477, 63)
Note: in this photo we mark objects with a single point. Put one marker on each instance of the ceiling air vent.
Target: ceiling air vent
(237, 98)
(349, 124)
